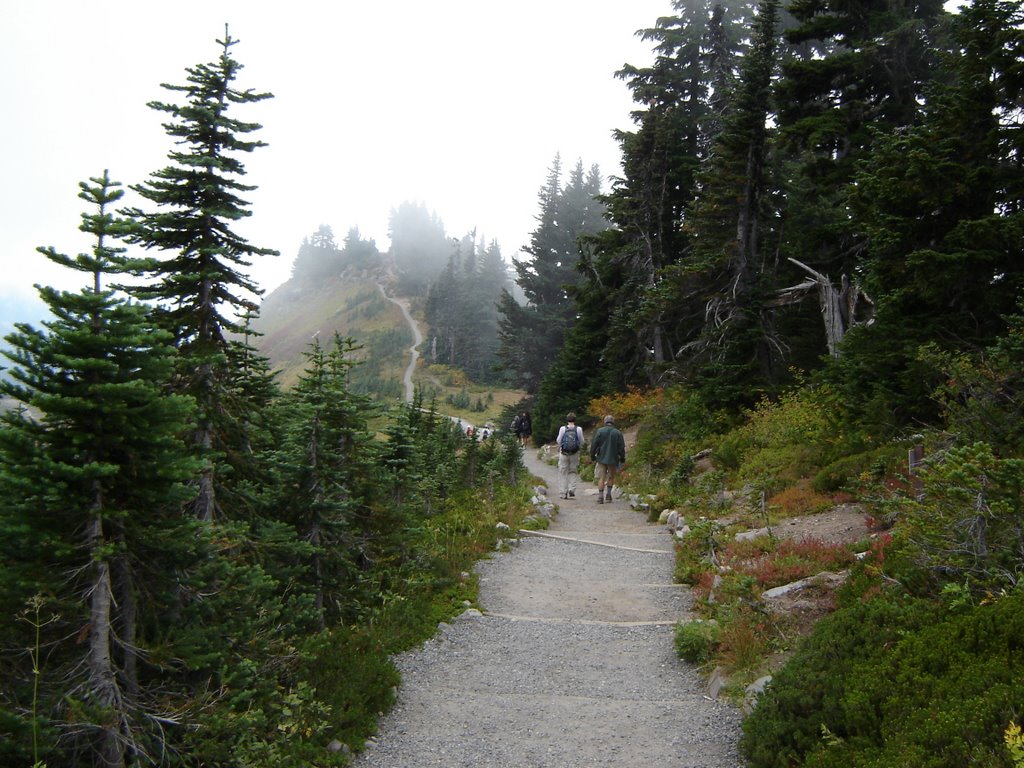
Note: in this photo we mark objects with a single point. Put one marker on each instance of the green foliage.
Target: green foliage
(966, 528)
(531, 333)
(352, 673)
(896, 681)
(695, 553)
(697, 641)
(461, 311)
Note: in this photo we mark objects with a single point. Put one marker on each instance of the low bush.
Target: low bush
(798, 500)
(895, 681)
(697, 641)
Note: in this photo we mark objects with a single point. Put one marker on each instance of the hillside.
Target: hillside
(354, 304)
(299, 311)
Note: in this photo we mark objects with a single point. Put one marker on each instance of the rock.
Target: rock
(825, 578)
(502, 526)
(753, 693)
(716, 682)
(663, 517)
(681, 533)
(337, 746)
(750, 535)
(471, 613)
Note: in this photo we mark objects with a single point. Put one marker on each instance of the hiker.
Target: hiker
(608, 450)
(524, 428)
(570, 440)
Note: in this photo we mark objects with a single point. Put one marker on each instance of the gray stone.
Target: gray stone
(750, 535)
(753, 693)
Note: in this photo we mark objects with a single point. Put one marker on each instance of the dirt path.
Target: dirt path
(570, 665)
(414, 352)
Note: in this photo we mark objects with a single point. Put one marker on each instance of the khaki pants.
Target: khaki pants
(568, 472)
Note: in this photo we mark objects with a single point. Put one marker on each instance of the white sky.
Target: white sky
(458, 104)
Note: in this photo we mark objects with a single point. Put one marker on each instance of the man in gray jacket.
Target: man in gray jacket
(608, 450)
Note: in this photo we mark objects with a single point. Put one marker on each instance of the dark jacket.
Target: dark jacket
(608, 446)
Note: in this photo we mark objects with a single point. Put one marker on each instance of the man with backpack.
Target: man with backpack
(570, 440)
(609, 452)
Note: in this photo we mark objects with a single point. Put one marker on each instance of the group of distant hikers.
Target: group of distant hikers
(607, 451)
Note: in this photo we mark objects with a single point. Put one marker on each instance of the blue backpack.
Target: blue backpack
(570, 440)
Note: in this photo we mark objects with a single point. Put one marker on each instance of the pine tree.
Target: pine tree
(201, 286)
(941, 205)
(90, 476)
(324, 475)
(735, 354)
(531, 335)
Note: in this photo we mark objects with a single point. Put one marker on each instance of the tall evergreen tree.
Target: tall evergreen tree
(318, 256)
(853, 68)
(201, 287)
(89, 477)
(735, 352)
(461, 309)
(941, 205)
(530, 335)
(631, 318)
(419, 247)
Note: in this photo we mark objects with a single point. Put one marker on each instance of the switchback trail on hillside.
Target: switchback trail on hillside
(571, 663)
(414, 351)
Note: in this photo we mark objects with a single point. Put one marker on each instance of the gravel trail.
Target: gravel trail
(571, 665)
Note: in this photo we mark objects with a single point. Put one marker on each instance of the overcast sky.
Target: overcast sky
(458, 104)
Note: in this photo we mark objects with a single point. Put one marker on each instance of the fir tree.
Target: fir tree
(324, 476)
(90, 476)
(201, 287)
(531, 335)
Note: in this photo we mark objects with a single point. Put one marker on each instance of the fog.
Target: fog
(460, 105)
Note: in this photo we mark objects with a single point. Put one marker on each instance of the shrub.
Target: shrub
(798, 500)
(896, 682)
(966, 528)
(697, 641)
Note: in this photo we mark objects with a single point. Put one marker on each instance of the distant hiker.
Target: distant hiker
(609, 452)
(570, 440)
(523, 427)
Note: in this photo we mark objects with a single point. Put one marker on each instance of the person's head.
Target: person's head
(609, 419)
(570, 417)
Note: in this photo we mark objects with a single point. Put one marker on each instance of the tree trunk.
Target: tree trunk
(102, 684)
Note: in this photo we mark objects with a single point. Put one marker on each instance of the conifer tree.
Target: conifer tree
(89, 477)
(201, 286)
(324, 476)
(941, 205)
(853, 70)
(735, 353)
(531, 335)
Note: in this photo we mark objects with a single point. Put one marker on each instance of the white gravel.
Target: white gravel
(571, 665)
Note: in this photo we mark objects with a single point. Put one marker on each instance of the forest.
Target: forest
(809, 264)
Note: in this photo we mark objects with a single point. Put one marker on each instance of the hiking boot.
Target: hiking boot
(608, 497)
(572, 494)
(600, 497)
